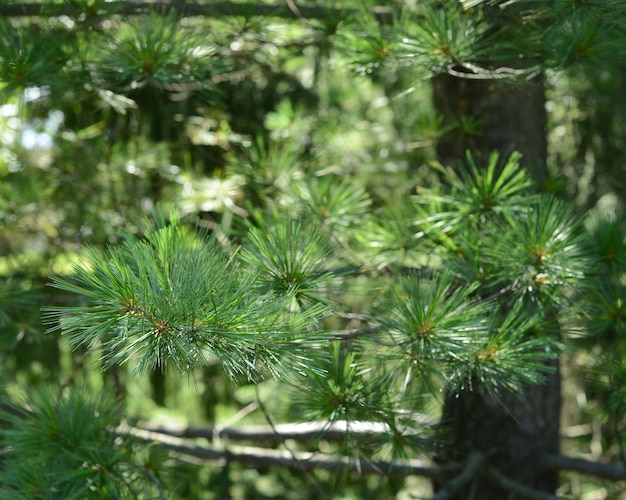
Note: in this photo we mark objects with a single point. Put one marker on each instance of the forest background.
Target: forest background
(307, 229)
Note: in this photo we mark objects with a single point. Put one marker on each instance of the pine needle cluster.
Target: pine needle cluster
(78, 453)
(176, 297)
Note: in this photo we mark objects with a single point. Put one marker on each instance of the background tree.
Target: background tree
(296, 255)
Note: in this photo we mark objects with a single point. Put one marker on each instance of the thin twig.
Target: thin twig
(78, 365)
(352, 334)
(151, 477)
(518, 488)
(218, 430)
(294, 8)
(474, 72)
(474, 463)
(269, 420)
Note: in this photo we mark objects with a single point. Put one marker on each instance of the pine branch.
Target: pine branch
(214, 9)
(255, 456)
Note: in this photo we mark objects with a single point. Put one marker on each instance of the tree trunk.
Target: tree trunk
(507, 117)
(488, 115)
(511, 432)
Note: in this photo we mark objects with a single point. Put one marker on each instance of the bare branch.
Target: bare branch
(335, 431)
(612, 471)
(330, 432)
(518, 488)
(356, 333)
(453, 486)
(310, 460)
(293, 454)
(212, 9)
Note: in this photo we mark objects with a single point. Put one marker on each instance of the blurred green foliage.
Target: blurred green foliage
(305, 148)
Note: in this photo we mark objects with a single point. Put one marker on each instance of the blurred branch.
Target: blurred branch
(612, 471)
(174, 439)
(255, 456)
(335, 431)
(518, 488)
(293, 453)
(453, 486)
(10, 408)
(212, 9)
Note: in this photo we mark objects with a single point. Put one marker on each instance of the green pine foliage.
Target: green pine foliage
(78, 452)
(292, 261)
(18, 297)
(312, 249)
(176, 298)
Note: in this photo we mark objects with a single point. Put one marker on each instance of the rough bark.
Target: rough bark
(514, 431)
